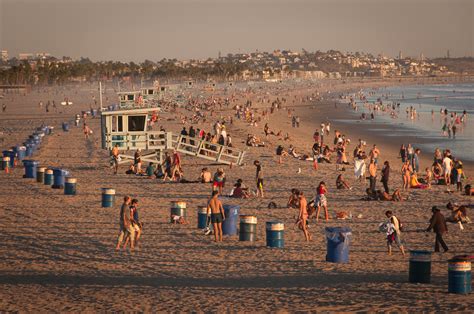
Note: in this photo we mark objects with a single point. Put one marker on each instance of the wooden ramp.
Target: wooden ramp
(158, 142)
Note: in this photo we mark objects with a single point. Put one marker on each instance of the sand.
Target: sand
(58, 251)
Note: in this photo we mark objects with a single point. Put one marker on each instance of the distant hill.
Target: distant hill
(459, 65)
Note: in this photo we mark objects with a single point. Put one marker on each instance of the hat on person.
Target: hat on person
(434, 209)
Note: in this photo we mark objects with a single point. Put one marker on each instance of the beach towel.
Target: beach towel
(359, 168)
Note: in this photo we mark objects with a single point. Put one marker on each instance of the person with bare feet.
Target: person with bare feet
(115, 158)
(321, 201)
(393, 232)
(303, 216)
(126, 224)
(259, 177)
(216, 211)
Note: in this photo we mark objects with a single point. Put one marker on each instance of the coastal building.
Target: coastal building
(4, 55)
(25, 56)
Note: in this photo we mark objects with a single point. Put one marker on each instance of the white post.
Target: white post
(100, 95)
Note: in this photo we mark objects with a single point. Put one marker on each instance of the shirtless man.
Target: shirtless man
(115, 157)
(214, 207)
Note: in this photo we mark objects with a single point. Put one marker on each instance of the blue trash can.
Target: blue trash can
(338, 241)
(30, 168)
(29, 150)
(275, 233)
(12, 155)
(59, 178)
(70, 186)
(229, 226)
(420, 267)
(48, 177)
(108, 197)
(459, 275)
(65, 127)
(202, 217)
(20, 152)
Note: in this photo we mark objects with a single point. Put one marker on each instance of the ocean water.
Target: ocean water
(428, 100)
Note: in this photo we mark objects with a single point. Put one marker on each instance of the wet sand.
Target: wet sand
(58, 251)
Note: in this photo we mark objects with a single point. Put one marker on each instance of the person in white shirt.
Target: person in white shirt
(447, 166)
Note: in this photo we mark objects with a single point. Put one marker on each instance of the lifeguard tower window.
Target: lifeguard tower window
(136, 123)
(163, 88)
(150, 92)
(130, 97)
(117, 124)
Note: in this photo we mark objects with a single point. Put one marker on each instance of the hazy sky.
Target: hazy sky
(155, 29)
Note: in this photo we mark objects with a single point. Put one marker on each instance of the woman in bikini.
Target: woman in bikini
(303, 216)
(406, 170)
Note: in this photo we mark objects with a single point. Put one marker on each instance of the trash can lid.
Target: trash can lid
(338, 229)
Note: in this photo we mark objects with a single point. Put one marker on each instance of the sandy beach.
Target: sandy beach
(58, 251)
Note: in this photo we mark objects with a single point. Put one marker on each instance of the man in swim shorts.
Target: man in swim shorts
(217, 215)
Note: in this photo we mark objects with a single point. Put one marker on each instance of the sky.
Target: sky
(137, 30)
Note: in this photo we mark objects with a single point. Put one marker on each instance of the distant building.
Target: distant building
(400, 55)
(25, 56)
(4, 55)
(43, 55)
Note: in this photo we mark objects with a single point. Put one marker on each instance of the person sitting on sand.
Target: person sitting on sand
(414, 184)
(437, 171)
(238, 192)
(150, 170)
(254, 141)
(341, 184)
(159, 173)
(292, 152)
(205, 176)
(131, 169)
(137, 162)
(293, 200)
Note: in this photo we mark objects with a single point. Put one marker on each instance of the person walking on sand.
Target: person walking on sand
(115, 158)
(393, 232)
(438, 224)
(303, 216)
(259, 177)
(126, 228)
(216, 211)
(321, 201)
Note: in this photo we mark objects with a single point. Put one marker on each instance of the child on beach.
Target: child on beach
(393, 231)
(321, 201)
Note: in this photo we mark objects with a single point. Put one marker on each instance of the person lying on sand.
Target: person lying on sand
(384, 196)
(458, 214)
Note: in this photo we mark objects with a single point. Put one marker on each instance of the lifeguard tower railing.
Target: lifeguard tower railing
(161, 141)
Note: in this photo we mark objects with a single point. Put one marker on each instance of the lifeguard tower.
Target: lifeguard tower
(130, 100)
(129, 130)
(150, 94)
